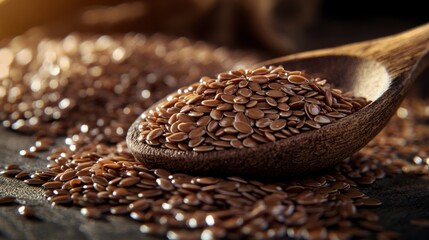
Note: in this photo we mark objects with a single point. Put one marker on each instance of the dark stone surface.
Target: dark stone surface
(404, 198)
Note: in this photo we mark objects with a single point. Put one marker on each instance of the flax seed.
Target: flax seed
(34, 181)
(297, 79)
(10, 172)
(129, 181)
(164, 184)
(11, 166)
(22, 175)
(278, 124)
(91, 212)
(52, 185)
(154, 134)
(26, 211)
(7, 200)
(61, 199)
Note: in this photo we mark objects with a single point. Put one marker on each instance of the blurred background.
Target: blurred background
(268, 27)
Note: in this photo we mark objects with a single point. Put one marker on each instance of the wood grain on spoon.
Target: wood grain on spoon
(382, 70)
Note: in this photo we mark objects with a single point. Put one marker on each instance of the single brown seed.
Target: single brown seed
(270, 101)
(258, 79)
(149, 193)
(61, 199)
(154, 134)
(206, 180)
(313, 109)
(129, 181)
(240, 100)
(177, 137)
(243, 127)
(34, 181)
(120, 192)
(10, 172)
(139, 205)
(186, 127)
(52, 185)
(164, 184)
(100, 180)
(213, 233)
(275, 93)
(197, 132)
(26, 211)
(366, 180)
(216, 114)
(237, 144)
(249, 142)
(203, 148)
(283, 107)
(297, 79)
(228, 98)
(162, 173)
(11, 166)
(312, 124)
(119, 210)
(191, 199)
(254, 113)
(244, 92)
(91, 212)
(278, 124)
(336, 114)
(7, 200)
(22, 175)
(154, 229)
(194, 142)
(322, 119)
(27, 153)
(210, 103)
(66, 176)
(205, 197)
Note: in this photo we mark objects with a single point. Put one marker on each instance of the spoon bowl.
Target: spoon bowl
(380, 70)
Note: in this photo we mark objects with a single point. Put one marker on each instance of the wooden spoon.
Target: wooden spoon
(382, 70)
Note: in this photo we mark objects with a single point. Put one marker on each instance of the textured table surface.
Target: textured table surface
(404, 198)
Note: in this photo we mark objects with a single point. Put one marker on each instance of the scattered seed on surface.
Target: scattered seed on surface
(7, 200)
(26, 211)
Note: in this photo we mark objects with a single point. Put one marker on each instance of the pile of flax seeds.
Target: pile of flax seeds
(91, 88)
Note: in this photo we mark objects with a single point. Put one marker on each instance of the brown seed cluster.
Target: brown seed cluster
(102, 178)
(244, 108)
(94, 86)
(108, 180)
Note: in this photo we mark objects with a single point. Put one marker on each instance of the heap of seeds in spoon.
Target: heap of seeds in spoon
(244, 108)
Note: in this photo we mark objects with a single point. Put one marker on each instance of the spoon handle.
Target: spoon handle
(398, 53)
